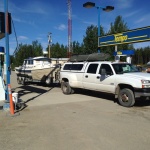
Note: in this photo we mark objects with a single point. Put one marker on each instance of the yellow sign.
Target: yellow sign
(130, 36)
(120, 37)
(119, 53)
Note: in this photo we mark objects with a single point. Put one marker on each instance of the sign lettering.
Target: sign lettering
(120, 37)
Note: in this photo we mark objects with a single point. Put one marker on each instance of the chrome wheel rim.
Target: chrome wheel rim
(124, 98)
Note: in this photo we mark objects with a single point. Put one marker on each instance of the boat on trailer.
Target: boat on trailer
(38, 69)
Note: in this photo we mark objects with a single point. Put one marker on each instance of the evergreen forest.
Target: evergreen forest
(88, 46)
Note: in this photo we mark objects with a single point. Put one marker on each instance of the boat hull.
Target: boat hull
(37, 74)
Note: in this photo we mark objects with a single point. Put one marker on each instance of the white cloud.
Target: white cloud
(143, 20)
(34, 7)
(61, 27)
(124, 4)
(130, 14)
(22, 38)
(39, 38)
(32, 23)
(89, 23)
(140, 20)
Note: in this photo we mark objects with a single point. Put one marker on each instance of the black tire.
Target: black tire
(66, 89)
(126, 98)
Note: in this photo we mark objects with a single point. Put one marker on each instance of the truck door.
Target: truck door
(89, 76)
(105, 81)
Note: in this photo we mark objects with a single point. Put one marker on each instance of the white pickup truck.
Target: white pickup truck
(119, 78)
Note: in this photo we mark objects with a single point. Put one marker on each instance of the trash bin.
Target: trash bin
(15, 97)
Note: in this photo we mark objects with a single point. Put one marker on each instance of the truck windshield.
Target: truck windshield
(124, 68)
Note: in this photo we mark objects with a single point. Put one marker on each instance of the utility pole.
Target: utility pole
(69, 28)
(7, 57)
(49, 44)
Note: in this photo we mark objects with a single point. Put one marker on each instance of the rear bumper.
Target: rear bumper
(142, 92)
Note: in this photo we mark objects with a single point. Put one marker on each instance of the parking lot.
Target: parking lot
(82, 121)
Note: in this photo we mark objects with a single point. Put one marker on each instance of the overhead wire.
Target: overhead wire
(15, 36)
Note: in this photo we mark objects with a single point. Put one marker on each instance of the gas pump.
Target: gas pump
(2, 86)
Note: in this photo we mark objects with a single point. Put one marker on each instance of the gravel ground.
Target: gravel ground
(82, 121)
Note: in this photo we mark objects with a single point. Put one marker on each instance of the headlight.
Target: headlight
(145, 83)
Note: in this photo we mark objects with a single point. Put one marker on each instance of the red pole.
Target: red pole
(10, 100)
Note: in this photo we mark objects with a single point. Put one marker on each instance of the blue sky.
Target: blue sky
(33, 19)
